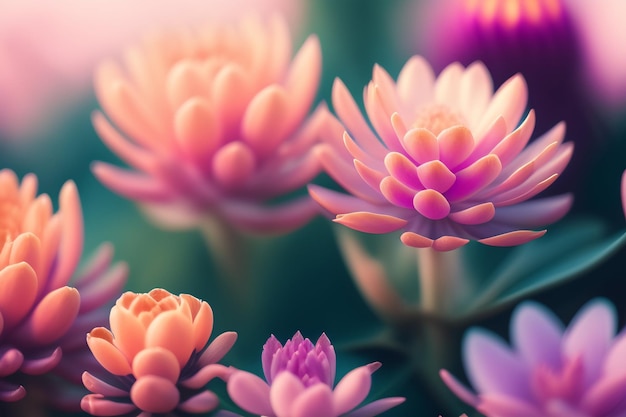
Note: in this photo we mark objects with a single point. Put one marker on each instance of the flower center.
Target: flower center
(436, 118)
(562, 384)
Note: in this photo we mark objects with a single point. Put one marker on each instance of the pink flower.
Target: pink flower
(449, 161)
(40, 81)
(214, 123)
(548, 371)
(300, 379)
(156, 356)
(41, 250)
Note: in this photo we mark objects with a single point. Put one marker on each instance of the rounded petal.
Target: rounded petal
(431, 204)
(492, 367)
(285, 390)
(514, 238)
(52, 317)
(154, 394)
(156, 361)
(173, 331)
(536, 333)
(200, 403)
(590, 335)
(250, 392)
(97, 405)
(315, 401)
(18, 289)
(110, 357)
(352, 389)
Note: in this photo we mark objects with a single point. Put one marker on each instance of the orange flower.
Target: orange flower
(156, 345)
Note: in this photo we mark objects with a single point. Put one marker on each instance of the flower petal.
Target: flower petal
(250, 393)
(352, 389)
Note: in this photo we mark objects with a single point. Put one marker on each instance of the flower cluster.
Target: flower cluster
(156, 356)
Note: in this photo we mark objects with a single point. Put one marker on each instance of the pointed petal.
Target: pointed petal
(515, 238)
(352, 389)
(371, 222)
(536, 334)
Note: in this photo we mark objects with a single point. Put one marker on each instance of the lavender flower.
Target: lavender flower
(548, 371)
(299, 379)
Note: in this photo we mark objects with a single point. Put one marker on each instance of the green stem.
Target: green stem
(442, 281)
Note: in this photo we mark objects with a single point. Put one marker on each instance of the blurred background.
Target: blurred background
(48, 51)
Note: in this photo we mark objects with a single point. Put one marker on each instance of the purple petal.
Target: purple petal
(285, 390)
(492, 367)
(11, 392)
(42, 365)
(97, 386)
(218, 348)
(458, 388)
(11, 360)
(536, 334)
(250, 392)
(315, 401)
(397, 193)
(590, 335)
(97, 405)
(479, 214)
(200, 403)
(206, 374)
(352, 389)
(377, 407)
(502, 405)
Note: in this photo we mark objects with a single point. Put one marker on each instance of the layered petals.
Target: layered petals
(300, 383)
(448, 170)
(156, 356)
(41, 299)
(218, 128)
(550, 371)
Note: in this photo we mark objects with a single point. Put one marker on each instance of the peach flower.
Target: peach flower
(213, 122)
(40, 252)
(156, 356)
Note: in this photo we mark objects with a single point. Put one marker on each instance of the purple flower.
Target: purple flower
(548, 371)
(299, 380)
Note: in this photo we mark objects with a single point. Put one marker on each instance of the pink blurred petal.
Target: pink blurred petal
(514, 238)
(352, 389)
(98, 386)
(233, 165)
(416, 240)
(98, 405)
(11, 360)
(590, 335)
(206, 374)
(11, 392)
(316, 400)
(285, 390)
(506, 406)
(492, 367)
(130, 184)
(250, 393)
(218, 348)
(509, 101)
(536, 333)
(42, 365)
(52, 317)
(18, 289)
(376, 407)
(200, 403)
(458, 388)
(535, 212)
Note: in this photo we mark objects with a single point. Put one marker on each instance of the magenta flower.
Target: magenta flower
(449, 160)
(214, 124)
(299, 379)
(548, 371)
(156, 357)
(38, 310)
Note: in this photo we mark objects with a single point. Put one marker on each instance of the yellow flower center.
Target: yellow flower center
(437, 117)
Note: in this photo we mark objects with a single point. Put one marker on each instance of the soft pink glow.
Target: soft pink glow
(448, 161)
(48, 50)
(214, 123)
